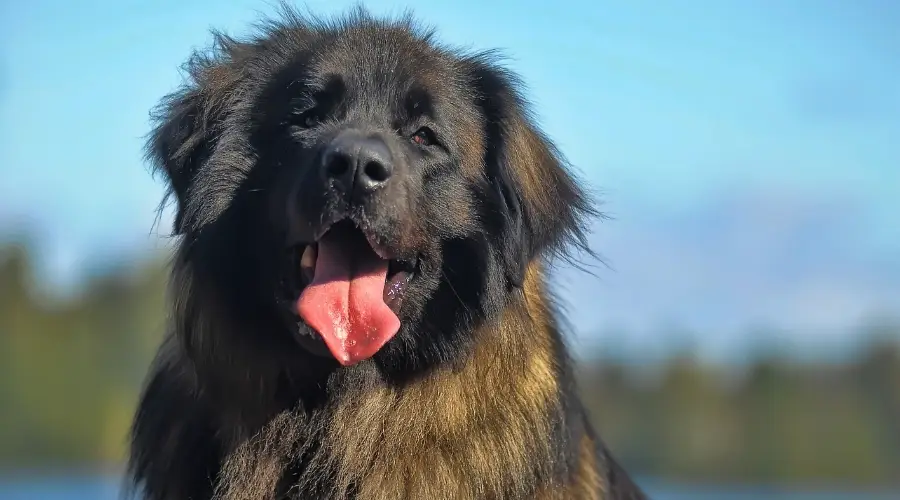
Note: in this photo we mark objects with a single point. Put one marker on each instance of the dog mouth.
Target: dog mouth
(348, 289)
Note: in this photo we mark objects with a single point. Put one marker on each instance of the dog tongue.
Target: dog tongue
(344, 302)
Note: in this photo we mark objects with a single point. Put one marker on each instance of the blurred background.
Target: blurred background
(740, 339)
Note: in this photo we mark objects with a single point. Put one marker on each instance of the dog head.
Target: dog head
(355, 188)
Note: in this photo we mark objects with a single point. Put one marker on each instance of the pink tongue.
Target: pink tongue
(344, 301)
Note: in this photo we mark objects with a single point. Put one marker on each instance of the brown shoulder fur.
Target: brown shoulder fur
(480, 430)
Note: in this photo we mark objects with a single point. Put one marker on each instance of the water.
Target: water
(60, 487)
(83, 487)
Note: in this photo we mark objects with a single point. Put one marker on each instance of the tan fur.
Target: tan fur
(586, 482)
(529, 149)
(474, 431)
(466, 433)
(253, 470)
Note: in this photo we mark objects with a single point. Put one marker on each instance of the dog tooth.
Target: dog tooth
(308, 260)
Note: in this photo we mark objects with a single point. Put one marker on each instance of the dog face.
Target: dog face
(359, 189)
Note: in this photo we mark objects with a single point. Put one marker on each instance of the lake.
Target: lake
(86, 487)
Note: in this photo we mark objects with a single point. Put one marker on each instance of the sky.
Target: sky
(745, 150)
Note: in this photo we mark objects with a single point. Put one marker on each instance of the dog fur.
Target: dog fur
(475, 397)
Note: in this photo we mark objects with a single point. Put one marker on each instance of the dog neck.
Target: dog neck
(473, 430)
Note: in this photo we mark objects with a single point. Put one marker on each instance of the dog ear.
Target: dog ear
(540, 205)
(179, 144)
(189, 120)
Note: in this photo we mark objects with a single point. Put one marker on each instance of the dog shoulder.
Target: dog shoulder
(174, 452)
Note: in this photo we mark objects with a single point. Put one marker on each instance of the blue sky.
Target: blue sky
(747, 149)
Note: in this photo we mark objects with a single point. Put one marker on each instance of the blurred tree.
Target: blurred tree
(70, 372)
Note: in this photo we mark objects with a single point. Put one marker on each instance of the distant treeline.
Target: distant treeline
(70, 372)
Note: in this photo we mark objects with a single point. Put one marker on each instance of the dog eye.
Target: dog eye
(424, 137)
(306, 119)
(311, 119)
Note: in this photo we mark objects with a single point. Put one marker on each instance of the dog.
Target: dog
(359, 299)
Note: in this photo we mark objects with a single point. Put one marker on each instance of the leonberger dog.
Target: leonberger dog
(359, 298)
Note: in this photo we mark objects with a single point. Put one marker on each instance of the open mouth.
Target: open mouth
(348, 290)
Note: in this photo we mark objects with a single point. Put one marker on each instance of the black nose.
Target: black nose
(357, 164)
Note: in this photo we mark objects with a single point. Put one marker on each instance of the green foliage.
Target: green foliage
(70, 372)
(782, 422)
